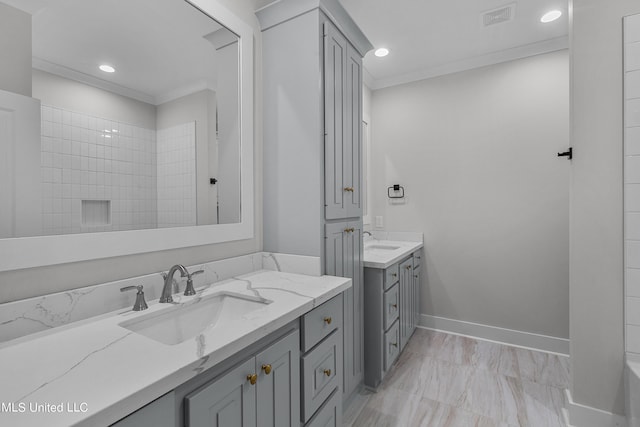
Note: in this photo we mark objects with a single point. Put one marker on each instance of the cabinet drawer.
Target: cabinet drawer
(391, 276)
(330, 415)
(391, 345)
(390, 306)
(320, 374)
(320, 322)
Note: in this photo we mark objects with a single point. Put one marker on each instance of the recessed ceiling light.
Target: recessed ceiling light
(381, 52)
(107, 68)
(551, 16)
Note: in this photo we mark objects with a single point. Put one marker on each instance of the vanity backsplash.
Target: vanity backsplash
(29, 316)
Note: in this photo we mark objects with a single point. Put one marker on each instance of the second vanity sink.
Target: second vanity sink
(382, 247)
(181, 322)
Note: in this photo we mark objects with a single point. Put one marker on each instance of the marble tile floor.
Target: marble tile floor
(444, 380)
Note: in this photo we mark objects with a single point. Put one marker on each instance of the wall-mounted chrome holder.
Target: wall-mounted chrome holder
(397, 188)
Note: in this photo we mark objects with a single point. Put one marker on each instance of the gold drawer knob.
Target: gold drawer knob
(395, 344)
(327, 320)
(252, 378)
(394, 305)
(266, 369)
(327, 372)
(408, 267)
(394, 274)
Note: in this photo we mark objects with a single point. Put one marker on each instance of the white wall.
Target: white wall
(597, 344)
(199, 107)
(76, 96)
(15, 50)
(39, 281)
(476, 154)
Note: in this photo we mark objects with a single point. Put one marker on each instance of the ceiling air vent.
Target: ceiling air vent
(501, 14)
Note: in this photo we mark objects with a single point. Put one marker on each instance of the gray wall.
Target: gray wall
(20, 284)
(199, 107)
(75, 96)
(597, 344)
(476, 154)
(15, 50)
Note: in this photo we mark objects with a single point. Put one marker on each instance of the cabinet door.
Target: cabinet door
(229, 401)
(352, 147)
(354, 343)
(278, 399)
(335, 72)
(406, 280)
(344, 259)
(417, 275)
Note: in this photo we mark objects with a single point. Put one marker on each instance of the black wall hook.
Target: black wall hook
(568, 154)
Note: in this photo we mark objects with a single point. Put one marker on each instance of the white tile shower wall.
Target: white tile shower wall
(632, 182)
(85, 157)
(177, 175)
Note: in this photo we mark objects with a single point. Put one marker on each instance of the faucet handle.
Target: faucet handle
(189, 289)
(163, 274)
(140, 303)
(189, 275)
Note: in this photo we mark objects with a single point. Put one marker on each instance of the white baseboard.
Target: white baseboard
(493, 333)
(585, 416)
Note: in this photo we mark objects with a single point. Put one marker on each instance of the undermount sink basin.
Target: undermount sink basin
(382, 247)
(181, 322)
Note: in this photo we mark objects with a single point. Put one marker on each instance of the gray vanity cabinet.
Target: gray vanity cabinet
(344, 258)
(391, 313)
(263, 391)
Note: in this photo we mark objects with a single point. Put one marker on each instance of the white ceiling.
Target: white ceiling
(157, 46)
(428, 38)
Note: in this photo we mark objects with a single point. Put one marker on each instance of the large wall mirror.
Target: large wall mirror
(138, 136)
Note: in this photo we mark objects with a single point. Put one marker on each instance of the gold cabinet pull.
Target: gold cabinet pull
(266, 369)
(394, 274)
(252, 378)
(327, 372)
(395, 344)
(349, 230)
(394, 305)
(327, 320)
(416, 276)
(408, 267)
(349, 189)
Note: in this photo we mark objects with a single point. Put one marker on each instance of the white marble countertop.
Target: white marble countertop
(107, 371)
(384, 258)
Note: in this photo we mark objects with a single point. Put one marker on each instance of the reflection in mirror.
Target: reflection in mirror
(138, 120)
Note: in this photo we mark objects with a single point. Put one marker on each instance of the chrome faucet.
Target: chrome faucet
(366, 232)
(168, 281)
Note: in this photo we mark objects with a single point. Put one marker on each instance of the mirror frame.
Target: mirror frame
(26, 252)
